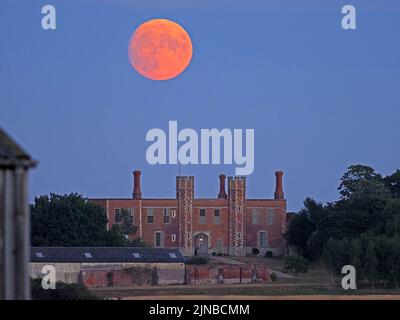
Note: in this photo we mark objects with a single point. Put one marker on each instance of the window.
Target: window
(39, 254)
(158, 239)
(255, 216)
(136, 255)
(166, 215)
(217, 216)
(173, 237)
(270, 216)
(172, 255)
(88, 255)
(263, 241)
(202, 216)
(130, 215)
(173, 213)
(117, 215)
(150, 215)
(123, 214)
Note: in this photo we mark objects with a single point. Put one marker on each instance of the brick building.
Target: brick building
(230, 224)
(109, 267)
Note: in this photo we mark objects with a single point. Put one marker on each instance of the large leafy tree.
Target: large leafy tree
(361, 208)
(362, 228)
(125, 230)
(360, 179)
(390, 223)
(392, 183)
(126, 225)
(304, 224)
(70, 220)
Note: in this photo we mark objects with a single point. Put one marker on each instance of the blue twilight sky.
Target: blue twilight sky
(319, 98)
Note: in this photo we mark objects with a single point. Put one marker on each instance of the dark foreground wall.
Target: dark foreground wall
(229, 274)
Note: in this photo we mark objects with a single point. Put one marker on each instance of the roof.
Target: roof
(11, 153)
(103, 254)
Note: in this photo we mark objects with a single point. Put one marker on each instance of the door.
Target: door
(220, 245)
(201, 243)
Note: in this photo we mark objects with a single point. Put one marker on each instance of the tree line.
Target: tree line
(73, 221)
(361, 228)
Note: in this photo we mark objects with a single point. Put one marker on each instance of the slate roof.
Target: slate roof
(104, 255)
(11, 153)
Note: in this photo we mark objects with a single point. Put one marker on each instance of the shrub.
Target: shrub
(296, 264)
(197, 260)
(255, 251)
(273, 276)
(269, 254)
(63, 291)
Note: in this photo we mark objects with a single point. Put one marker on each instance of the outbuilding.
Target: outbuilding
(111, 267)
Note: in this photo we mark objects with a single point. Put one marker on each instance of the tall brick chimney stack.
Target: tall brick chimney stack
(279, 195)
(222, 193)
(137, 193)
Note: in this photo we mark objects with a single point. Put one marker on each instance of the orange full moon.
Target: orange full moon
(160, 49)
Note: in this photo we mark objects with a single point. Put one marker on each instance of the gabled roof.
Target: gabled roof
(11, 154)
(104, 255)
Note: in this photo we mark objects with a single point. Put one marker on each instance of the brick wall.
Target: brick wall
(236, 229)
(229, 274)
(115, 274)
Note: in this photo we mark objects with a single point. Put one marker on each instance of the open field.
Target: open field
(266, 291)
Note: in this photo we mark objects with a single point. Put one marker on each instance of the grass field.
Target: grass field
(255, 291)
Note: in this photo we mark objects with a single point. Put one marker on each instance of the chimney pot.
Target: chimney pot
(279, 195)
(137, 192)
(222, 193)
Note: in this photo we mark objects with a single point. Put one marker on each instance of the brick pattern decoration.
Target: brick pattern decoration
(185, 195)
(115, 276)
(237, 198)
(226, 274)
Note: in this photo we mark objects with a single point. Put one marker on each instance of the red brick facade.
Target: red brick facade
(229, 224)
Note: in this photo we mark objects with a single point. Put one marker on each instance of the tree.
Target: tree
(64, 291)
(371, 262)
(116, 238)
(299, 230)
(391, 218)
(392, 183)
(362, 228)
(356, 179)
(126, 225)
(337, 253)
(295, 264)
(303, 225)
(70, 221)
(388, 256)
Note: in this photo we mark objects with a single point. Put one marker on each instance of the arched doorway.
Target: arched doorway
(201, 243)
